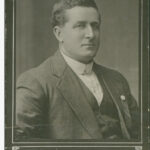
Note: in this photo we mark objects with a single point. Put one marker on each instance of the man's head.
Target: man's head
(76, 25)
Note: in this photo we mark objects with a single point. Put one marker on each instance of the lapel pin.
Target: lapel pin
(123, 98)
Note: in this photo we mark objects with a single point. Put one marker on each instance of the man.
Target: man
(69, 96)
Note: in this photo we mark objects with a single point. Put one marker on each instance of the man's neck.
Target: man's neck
(77, 66)
(63, 51)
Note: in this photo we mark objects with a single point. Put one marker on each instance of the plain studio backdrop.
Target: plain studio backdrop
(119, 43)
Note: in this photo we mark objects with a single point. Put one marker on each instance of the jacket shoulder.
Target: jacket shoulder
(108, 72)
(114, 76)
(38, 77)
(38, 72)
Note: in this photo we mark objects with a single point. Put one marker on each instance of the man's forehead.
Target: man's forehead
(82, 14)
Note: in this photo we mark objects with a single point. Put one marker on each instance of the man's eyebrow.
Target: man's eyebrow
(83, 22)
(80, 22)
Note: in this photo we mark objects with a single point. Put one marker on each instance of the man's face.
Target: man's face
(80, 34)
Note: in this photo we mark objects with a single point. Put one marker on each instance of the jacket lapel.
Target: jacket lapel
(115, 95)
(70, 88)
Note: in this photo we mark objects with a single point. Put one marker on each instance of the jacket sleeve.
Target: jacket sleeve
(30, 108)
(135, 115)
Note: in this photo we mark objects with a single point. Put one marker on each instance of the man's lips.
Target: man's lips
(88, 44)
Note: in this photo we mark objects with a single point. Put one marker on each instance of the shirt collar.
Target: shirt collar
(78, 67)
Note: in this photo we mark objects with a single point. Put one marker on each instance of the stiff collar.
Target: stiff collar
(78, 67)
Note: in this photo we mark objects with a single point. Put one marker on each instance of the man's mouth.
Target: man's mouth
(88, 44)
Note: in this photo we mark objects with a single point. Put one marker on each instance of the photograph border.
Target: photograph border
(141, 62)
(140, 87)
(75, 146)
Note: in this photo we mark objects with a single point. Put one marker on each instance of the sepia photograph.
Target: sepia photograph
(76, 74)
(76, 70)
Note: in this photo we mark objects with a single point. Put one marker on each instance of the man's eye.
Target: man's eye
(96, 26)
(80, 25)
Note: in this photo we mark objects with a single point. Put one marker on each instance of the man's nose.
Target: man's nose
(89, 32)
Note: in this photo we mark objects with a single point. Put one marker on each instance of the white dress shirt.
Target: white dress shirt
(87, 76)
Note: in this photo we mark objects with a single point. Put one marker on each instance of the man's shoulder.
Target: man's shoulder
(109, 72)
(40, 72)
(112, 75)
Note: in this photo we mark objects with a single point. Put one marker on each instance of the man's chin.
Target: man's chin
(91, 54)
(87, 59)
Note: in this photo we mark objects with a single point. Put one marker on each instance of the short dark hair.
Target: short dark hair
(60, 6)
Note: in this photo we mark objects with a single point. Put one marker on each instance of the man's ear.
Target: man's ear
(58, 33)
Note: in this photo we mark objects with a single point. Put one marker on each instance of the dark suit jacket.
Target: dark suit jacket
(50, 103)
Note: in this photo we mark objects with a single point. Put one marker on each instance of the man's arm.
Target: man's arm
(135, 115)
(31, 108)
(134, 111)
